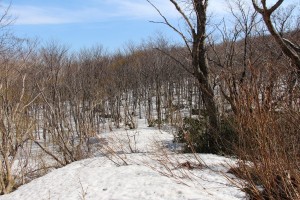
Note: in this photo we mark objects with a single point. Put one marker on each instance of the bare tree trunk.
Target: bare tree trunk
(149, 117)
(201, 66)
(197, 49)
(158, 104)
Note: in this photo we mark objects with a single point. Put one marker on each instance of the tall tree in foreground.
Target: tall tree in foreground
(195, 41)
(290, 49)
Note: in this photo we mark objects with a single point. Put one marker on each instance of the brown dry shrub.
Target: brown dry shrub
(268, 146)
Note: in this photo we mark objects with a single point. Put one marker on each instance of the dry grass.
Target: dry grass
(268, 143)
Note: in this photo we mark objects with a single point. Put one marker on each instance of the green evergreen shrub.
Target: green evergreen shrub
(194, 135)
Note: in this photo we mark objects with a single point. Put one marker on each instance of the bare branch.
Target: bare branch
(265, 10)
(256, 7)
(166, 22)
(176, 60)
(287, 48)
(49, 153)
(184, 16)
(276, 5)
(292, 45)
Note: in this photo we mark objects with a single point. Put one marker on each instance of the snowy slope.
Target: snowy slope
(146, 175)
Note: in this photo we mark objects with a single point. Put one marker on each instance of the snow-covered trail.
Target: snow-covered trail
(99, 178)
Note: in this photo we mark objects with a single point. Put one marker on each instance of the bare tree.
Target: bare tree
(195, 41)
(290, 49)
(16, 120)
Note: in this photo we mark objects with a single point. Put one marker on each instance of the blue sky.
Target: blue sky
(84, 23)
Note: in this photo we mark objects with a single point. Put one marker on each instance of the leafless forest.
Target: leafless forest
(232, 92)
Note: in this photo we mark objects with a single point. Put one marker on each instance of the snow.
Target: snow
(145, 169)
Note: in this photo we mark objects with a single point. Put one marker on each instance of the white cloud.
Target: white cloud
(38, 15)
(142, 9)
(219, 7)
(103, 10)
(95, 11)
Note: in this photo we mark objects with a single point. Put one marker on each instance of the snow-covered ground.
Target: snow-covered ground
(145, 169)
